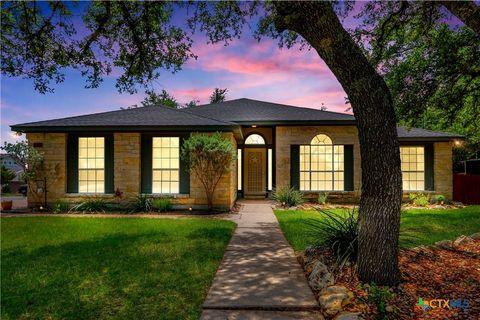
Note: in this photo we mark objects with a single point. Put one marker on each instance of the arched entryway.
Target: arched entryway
(255, 167)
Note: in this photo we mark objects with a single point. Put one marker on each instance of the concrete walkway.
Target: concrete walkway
(259, 277)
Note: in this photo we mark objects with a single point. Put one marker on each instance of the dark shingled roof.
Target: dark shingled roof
(247, 111)
(405, 133)
(151, 116)
(226, 115)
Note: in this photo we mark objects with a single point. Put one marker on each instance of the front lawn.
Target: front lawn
(107, 268)
(418, 226)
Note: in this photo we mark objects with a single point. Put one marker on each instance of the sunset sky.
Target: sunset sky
(247, 68)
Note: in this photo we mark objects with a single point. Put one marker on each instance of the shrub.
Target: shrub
(142, 203)
(91, 206)
(379, 296)
(339, 232)
(439, 199)
(61, 206)
(208, 157)
(419, 199)
(162, 204)
(288, 196)
(322, 198)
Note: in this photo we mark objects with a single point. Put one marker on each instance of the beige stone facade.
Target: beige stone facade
(285, 136)
(442, 169)
(127, 165)
(127, 173)
(126, 156)
(53, 148)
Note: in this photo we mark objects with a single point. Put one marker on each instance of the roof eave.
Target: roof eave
(59, 129)
(297, 122)
(430, 139)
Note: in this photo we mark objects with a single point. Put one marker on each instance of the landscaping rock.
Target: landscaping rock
(320, 277)
(444, 244)
(345, 315)
(462, 240)
(333, 298)
(475, 236)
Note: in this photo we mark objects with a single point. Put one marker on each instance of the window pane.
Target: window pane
(91, 162)
(270, 169)
(254, 139)
(239, 169)
(321, 165)
(165, 164)
(413, 167)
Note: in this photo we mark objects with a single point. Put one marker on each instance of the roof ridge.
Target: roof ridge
(271, 103)
(200, 116)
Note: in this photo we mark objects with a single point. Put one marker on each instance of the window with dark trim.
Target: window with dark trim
(413, 167)
(321, 165)
(91, 165)
(166, 165)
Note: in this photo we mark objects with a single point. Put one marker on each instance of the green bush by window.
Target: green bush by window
(61, 206)
(91, 206)
(142, 203)
(419, 199)
(162, 204)
(323, 198)
(288, 196)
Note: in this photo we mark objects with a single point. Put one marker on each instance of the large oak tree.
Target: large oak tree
(140, 39)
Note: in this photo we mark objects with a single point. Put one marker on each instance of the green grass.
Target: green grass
(11, 194)
(418, 226)
(107, 268)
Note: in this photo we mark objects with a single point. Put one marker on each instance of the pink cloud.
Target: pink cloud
(201, 94)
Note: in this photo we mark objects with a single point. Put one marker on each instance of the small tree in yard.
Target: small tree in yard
(33, 165)
(7, 176)
(209, 157)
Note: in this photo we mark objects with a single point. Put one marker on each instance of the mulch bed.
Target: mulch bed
(427, 273)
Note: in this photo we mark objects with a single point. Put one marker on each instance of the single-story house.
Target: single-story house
(137, 151)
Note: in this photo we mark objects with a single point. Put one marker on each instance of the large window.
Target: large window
(165, 164)
(91, 165)
(413, 168)
(321, 165)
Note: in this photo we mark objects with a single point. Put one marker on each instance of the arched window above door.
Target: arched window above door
(321, 139)
(254, 139)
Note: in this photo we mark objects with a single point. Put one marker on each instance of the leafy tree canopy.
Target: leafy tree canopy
(7, 175)
(162, 99)
(218, 95)
(431, 68)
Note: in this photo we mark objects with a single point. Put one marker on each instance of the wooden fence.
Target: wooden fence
(466, 188)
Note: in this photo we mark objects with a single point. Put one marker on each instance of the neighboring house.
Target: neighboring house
(138, 151)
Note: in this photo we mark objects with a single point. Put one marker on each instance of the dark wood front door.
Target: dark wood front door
(255, 172)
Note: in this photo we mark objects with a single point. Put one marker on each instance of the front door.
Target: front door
(255, 172)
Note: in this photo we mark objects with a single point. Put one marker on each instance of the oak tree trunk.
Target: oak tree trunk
(381, 194)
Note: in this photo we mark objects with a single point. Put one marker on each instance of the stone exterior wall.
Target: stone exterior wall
(127, 168)
(442, 169)
(126, 155)
(54, 151)
(127, 173)
(291, 135)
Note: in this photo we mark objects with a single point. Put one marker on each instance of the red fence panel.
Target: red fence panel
(466, 188)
